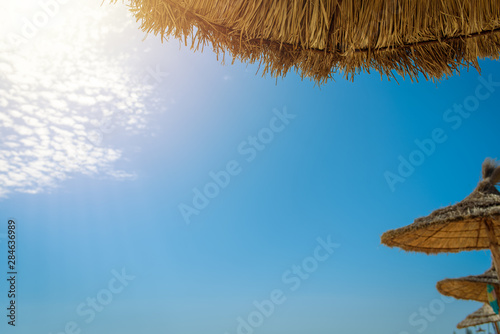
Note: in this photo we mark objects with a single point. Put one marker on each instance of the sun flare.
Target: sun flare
(62, 92)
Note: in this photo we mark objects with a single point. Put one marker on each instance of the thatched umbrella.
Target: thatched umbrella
(471, 224)
(484, 315)
(470, 287)
(319, 38)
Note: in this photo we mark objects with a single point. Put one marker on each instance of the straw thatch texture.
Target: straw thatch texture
(458, 227)
(484, 315)
(469, 287)
(320, 37)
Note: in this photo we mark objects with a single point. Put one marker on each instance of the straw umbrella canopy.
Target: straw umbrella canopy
(471, 224)
(319, 38)
(470, 287)
(484, 315)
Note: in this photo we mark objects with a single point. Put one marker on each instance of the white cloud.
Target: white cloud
(61, 94)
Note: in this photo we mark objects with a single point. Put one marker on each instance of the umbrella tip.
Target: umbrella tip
(491, 171)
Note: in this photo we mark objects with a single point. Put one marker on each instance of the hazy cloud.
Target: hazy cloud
(61, 92)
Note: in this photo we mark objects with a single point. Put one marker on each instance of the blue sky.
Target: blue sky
(133, 127)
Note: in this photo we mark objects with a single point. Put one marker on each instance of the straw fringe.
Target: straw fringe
(470, 287)
(320, 37)
(482, 316)
(491, 171)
